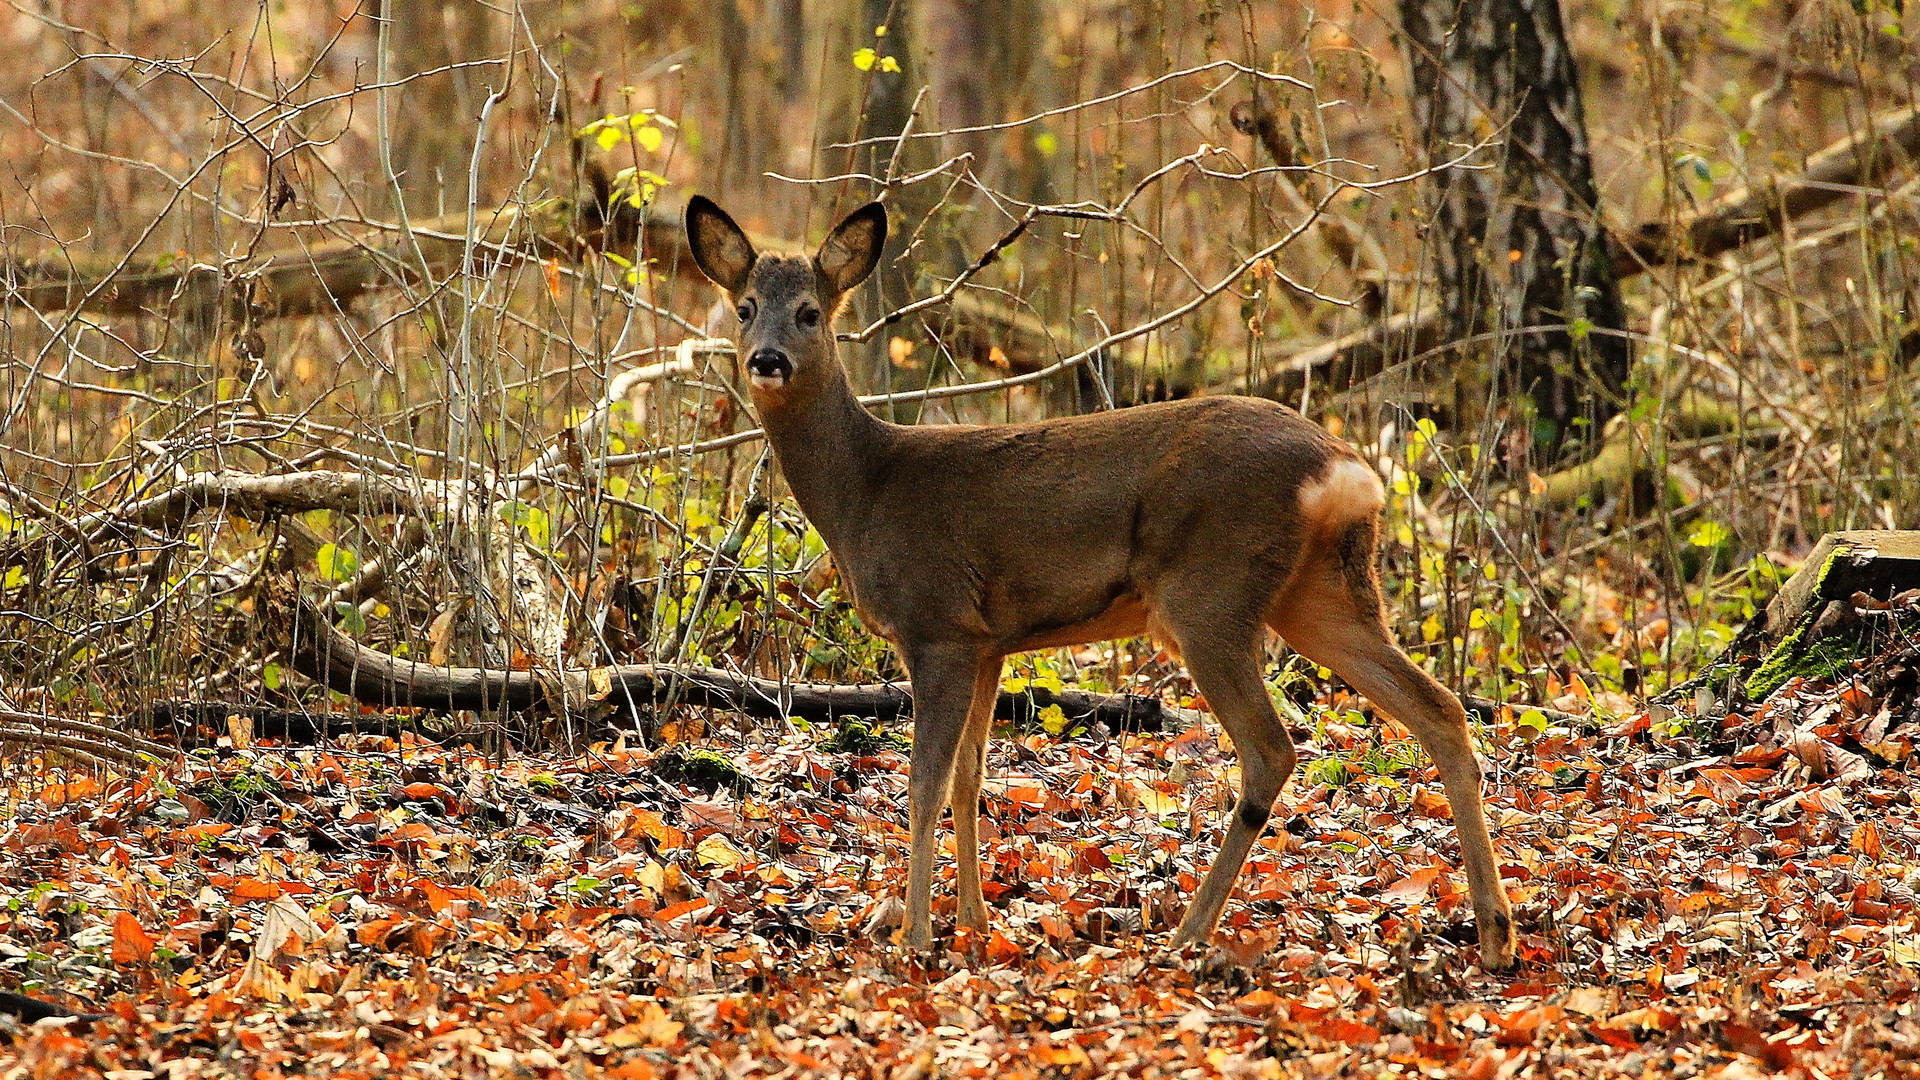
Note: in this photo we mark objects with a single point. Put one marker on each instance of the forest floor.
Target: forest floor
(1730, 897)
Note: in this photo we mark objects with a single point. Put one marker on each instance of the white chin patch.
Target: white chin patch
(768, 382)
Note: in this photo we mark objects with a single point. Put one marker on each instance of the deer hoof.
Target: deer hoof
(1497, 949)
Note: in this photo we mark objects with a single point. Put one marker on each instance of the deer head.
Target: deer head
(786, 303)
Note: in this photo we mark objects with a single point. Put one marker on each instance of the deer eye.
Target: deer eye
(808, 317)
(745, 311)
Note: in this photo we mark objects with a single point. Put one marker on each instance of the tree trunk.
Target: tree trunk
(1520, 245)
(434, 116)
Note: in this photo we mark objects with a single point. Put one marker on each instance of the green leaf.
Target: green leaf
(1708, 534)
(270, 676)
(337, 563)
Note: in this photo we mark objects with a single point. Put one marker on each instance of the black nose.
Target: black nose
(769, 364)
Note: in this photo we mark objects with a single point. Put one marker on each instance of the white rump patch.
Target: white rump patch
(1348, 492)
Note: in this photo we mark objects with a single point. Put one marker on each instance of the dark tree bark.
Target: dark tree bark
(1522, 244)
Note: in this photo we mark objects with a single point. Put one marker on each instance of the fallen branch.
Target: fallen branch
(317, 278)
(329, 657)
(1748, 213)
(97, 739)
(254, 497)
(1728, 223)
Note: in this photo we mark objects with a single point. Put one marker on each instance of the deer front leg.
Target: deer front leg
(943, 691)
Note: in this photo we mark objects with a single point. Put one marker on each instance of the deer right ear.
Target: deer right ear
(720, 249)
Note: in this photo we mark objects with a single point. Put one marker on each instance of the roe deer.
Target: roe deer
(1202, 522)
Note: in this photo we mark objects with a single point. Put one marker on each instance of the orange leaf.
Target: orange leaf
(439, 897)
(650, 824)
(1412, 888)
(1866, 840)
(1350, 1032)
(1432, 803)
(131, 943)
(1001, 950)
(1050, 1053)
(251, 888)
(62, 794)
(668, 914)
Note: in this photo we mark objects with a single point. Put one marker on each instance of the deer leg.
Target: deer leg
(1333, 617)
(943, 690)
(968, 770)
(1226, 667)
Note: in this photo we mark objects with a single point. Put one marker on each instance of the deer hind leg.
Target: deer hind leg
(1222, 652)
(969, 767)
(944, 681)
(1332, 615)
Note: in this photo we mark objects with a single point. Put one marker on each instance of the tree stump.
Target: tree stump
(1837, 608)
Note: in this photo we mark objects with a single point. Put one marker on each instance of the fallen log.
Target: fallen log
(321, 277)
(331, 658)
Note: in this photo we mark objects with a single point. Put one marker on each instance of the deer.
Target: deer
(1204, 522)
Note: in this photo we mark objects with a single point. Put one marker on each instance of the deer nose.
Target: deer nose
(769, 364)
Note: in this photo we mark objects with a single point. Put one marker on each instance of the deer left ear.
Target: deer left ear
(852, 249)
(720, 249)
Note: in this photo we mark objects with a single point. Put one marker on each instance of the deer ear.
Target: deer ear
(719, 247)
(852, 249)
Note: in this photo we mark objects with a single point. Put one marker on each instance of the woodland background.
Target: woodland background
(330, 339)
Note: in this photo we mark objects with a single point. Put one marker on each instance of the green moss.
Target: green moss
(1824, 660)
(853, 736)
(702, 770)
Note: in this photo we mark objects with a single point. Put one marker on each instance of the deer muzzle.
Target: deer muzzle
(769, 368)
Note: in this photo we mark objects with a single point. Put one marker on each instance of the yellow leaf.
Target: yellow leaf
(888, 63)
(649, 138)
(608, 138)
(1157, 803)
(653, 878)
(863, 59)
(651, 1027)
(717, 850)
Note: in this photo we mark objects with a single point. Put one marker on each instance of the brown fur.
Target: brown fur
(1204, 521)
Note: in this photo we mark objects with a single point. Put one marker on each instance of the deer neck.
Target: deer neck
(829, 447)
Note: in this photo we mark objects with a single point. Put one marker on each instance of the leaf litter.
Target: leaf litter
(1725, 896)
